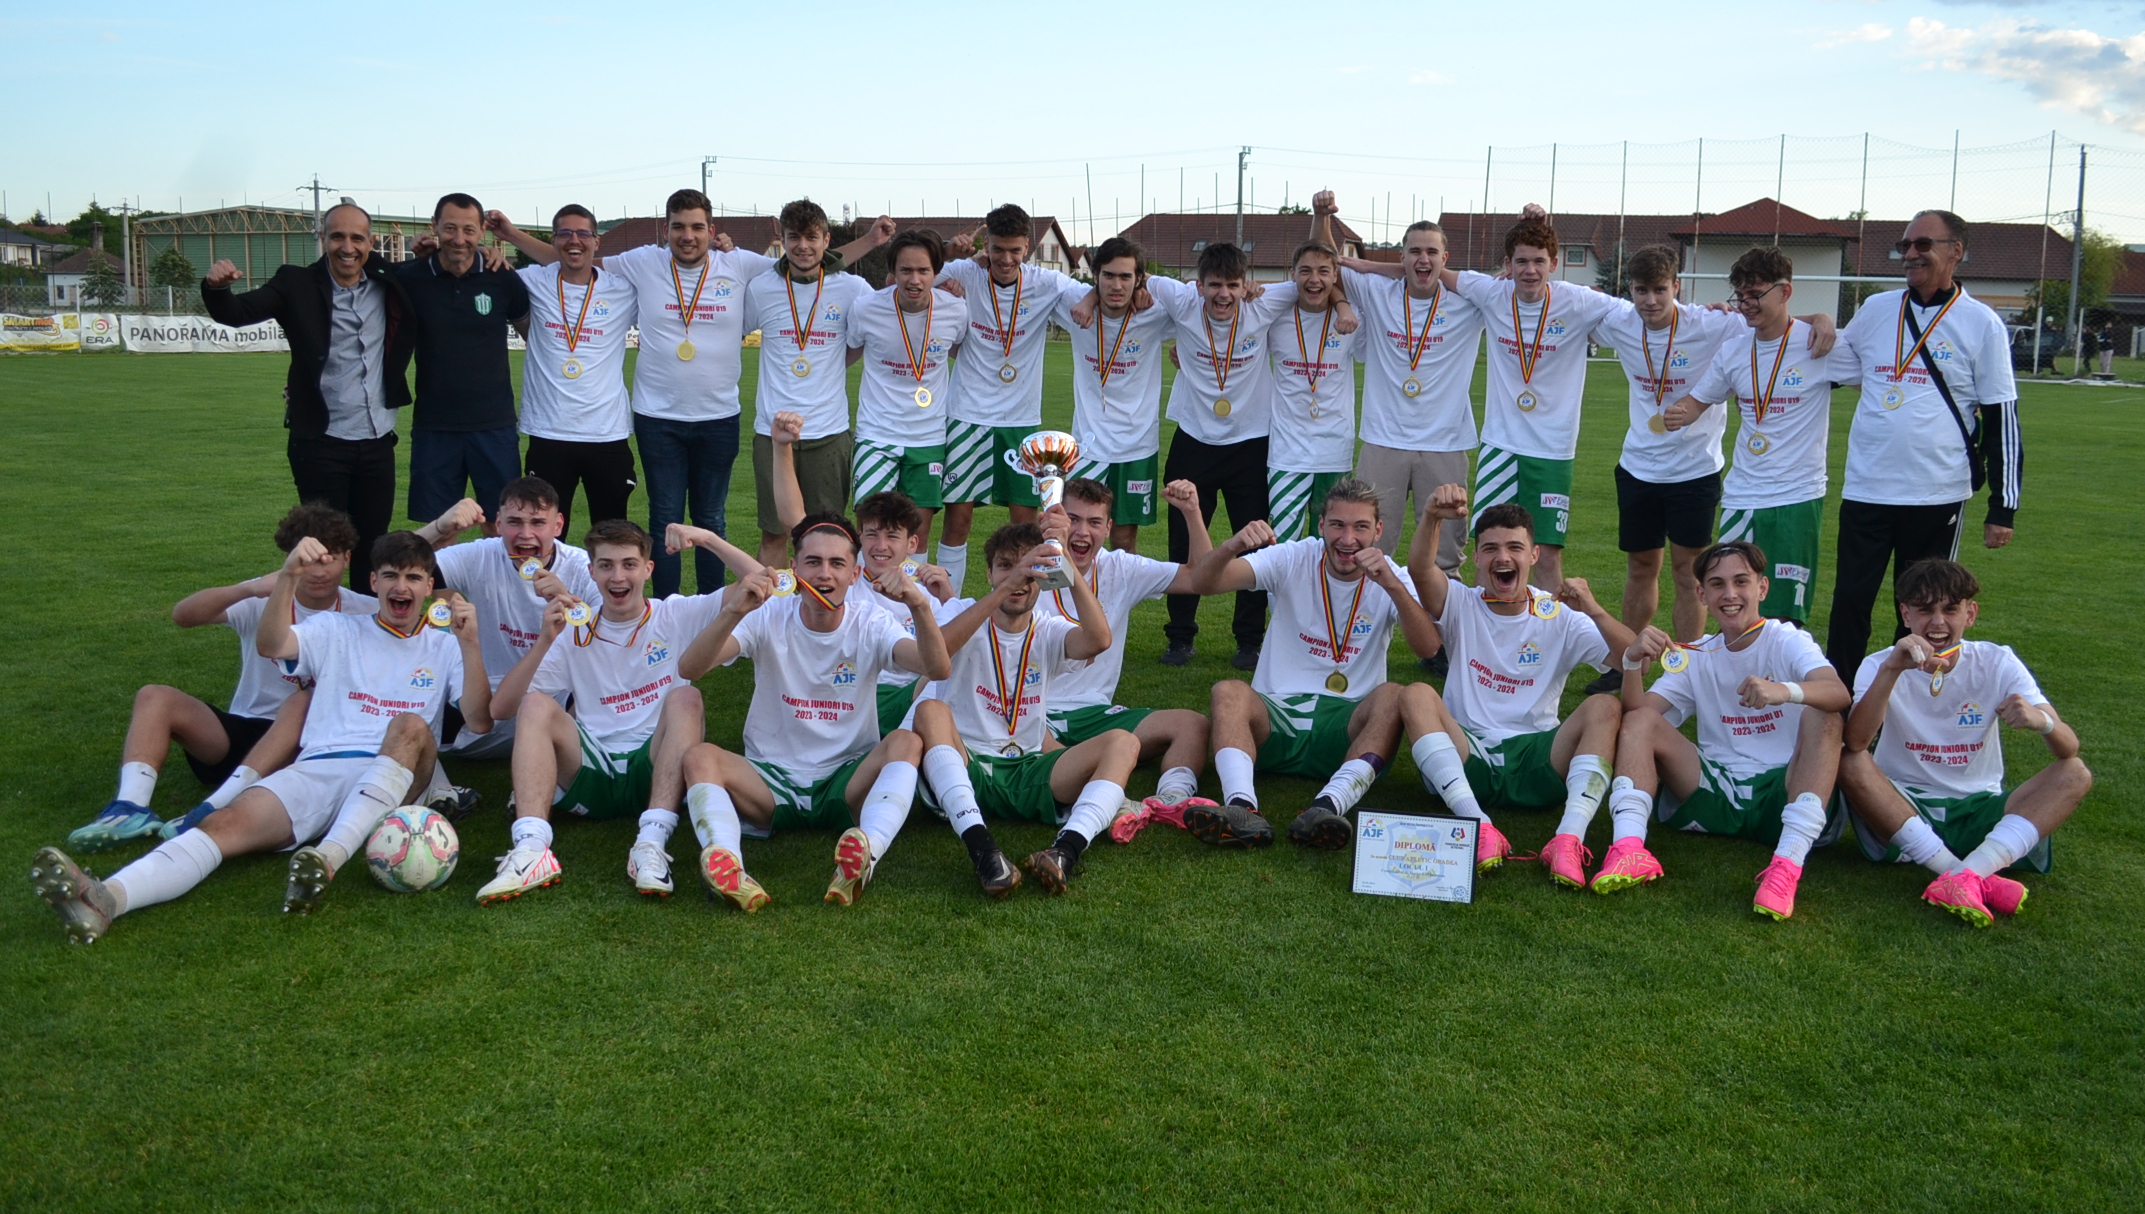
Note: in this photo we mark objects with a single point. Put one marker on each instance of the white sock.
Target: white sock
(1350, 781)
(239, 781)
(1917, 841)
(1177, 784)
(177, 865)
(1092, 812)
(1800, 824)
(714, 817)
(2007, 841)
(886, 806)
(948, 773)
(1233, 767)
(1444, 773)
(379, 790)
(656, 826)
(1584, 787)
(531, 833)
(137, 783)
(954, 560)
(1630, 809)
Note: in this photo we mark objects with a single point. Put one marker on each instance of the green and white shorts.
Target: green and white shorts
(1516, 773)
(1072, 726)
(609, 784)
(1310, 735)
(810, 805)
(1788, 536)
(1742, 807)
(895, 701)
(1136, 483)
(1293, 500)
(1961, 822)
(919, 472)
(976, 470)
(1018, 787)
(1543, 486)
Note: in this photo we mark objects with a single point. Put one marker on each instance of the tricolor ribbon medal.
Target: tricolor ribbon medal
(919, 355)
(1936, 677)
(584, 630)
(1760, 406)
(686, 311)
(1337, 638)
(1315, 363)
(801, 329)
(440, 614)
(1658, 423)
(1104, 365)
(528, 567)
(1901, 356)
(1008, 372)
(1221, 364)
(1529, 357)
(1417, 343)
(1009, 701)
(571, 368)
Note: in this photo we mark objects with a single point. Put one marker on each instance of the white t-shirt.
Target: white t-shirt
(864, 598)
(1508, 672)
(1679, 455)
(1250, 390)
(704, 387)
(1746, 741)
(822, 393)
(1306, 377)
(972, 691)
(1121, 421)
(1949, 744)
(619, 677)
(980, 392)
(1122, 581)
(815, 700)
(364, 676)
(1787, 464)
(1298, 656)
(1550, 430)
(1904, 448)
(510, 613)
(263, 683)
(887, 411)
(577, 395)
(1440, 417)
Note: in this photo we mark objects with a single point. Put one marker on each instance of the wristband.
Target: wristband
(2048, 724)
(1631, 665)
(1794, 692)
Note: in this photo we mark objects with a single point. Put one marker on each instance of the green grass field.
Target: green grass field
(1190, 1029)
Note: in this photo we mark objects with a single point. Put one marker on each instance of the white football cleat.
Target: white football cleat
(520, 870)
(649, 866)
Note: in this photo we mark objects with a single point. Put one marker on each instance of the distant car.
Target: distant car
(2052, 344)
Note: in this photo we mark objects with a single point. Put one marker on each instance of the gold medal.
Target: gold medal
(1544, 607)
(1009, 692)
(800, 325)
(1412, 388)
(1221, 363)
(1010, 750)
(1675, 659)
(1757, 443)
(1417, 342)
(1893, 398)
(439, 614)
(1338, 631)
(1008, 373)
(1314, 364)
(686, 310)
(923, 398)
(529, 567)
(1659, 379)
(1527, 402)
(1314, 413)
(1336, 682)
(1657, 423)
(919, 363)
(1936, 677)
(800, 367)
(911, 566)
(1221, 407)
(580, 615)
(1528, 358)
(685, 351)
(571, 368)
(1007, 331)
(1761, 406)
(785, 583)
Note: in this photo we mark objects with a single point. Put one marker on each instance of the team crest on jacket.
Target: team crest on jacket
(484, 304)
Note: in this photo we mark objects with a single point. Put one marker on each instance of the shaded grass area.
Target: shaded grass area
(1188, 1029)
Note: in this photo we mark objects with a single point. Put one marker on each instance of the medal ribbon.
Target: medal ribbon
(1693, 647)
(1103, 365)
(686, 310)
(1527, 358)
(1338, 638)
(377, 620)
(1417, 344)
(1936, 677)
(1221, 365)
(573, 335)
(1900, 361)
(1020, 677)
(802, 329)
(1004, 331)
(647, 611)
(1094, 587)
(917, 366)
(1759, 404)
(1660, 381)
(1318, 363)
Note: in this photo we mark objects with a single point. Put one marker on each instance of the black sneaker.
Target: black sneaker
(455, 803)
(1230, 825)
(997, 874)
(1247, 658)
(1437, 665)
(1321, 828)
(1179, 653)
(1052, 869)
(1609, 684)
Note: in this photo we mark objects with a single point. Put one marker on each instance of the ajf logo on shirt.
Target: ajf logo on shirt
(1556, 326)
(1530, 654)
(1682, 360)
(845, 674)
(601, 309)
(422, 679)
(723, 289)
(657, 653)
(1793, 379)
(1971, 716)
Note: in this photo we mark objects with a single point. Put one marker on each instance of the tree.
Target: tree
(102, 287)
(2103, 260)
(171, 269)
(1292, 209)
(1608, 276)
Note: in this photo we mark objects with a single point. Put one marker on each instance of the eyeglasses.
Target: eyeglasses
(1741, 300)
(1922, 244)
(572, 234)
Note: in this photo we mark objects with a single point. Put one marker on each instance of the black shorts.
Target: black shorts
(1681, 513)
(243, 733)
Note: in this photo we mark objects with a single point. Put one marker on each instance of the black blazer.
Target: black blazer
(299, 298)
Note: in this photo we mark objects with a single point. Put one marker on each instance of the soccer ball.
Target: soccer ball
(413, 849)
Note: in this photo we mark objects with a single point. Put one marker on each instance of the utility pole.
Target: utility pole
(2077, 313)
(316, 188)
(126, 249)
(706, 163)
(1243, 157)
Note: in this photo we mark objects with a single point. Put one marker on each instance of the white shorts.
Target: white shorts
(312, 790)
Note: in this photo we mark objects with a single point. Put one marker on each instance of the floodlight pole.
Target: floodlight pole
(1243, 157)
(2077, 313)
(706, 163)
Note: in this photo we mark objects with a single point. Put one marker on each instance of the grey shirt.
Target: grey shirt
(350, 382)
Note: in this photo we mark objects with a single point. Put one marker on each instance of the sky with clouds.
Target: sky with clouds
(1100, 110)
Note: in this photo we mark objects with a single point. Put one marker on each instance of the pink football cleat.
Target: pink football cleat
(1959, 892)
(2002, 895)
(1776, 888)
(1627, 864)
(1491, 847)
(1566, 859)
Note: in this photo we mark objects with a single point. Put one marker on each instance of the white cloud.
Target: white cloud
(1429, 78)
(2069, 69)
(1870, 32)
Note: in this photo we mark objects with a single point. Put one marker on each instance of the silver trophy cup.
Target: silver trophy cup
(1047, 456)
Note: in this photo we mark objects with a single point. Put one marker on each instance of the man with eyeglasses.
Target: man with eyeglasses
(1938, 412)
